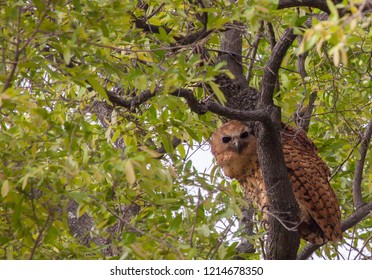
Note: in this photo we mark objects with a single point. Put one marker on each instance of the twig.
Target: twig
(365, 244)
(20, 49)
(155, 11)
(344, 161)
(254, 51)
(218, 244)
(40, 234)
(303, 116)
(16, 53)
(196, 217)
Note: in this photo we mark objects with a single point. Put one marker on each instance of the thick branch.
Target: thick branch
(131, 103)
(364, 7)
(199, 107)
(142, 24)
(230, 113)
(237, 91)
(319, 4)
(272, 67)
(358, 174)
(191, 100)
(282, 244)
(231, 52)
(255, 115)
(349, 222)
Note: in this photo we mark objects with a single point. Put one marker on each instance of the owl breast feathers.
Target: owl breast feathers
(235, 149)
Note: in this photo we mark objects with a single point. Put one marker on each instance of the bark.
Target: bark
(282, 243)
(272, 67)
(358, 174)
(319, 4)
(231, 53)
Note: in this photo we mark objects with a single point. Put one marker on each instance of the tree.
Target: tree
(104, 102)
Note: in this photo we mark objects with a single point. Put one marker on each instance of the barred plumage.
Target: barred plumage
(235, 149)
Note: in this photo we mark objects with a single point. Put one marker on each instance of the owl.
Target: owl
(235, 148)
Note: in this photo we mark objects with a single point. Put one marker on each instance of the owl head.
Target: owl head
(233, 136)
(234, 147)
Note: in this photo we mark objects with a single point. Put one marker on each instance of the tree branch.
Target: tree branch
(254, 51)
(131, 103)
(358, 174)
(198, 107)
(282, 244)
(349, 222)
(214, 107)
(271, 34)
(18, 48)
(364, 7)
(231, 52)
(272, 67)
(303, 116)
(319, 4)
(142, 23)
(41, 233)
(191, 100)
(237, 91)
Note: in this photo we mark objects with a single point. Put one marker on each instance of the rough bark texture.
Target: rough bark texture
(358, 174)
(282, 244)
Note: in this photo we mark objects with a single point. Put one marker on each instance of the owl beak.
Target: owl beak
(237, 145)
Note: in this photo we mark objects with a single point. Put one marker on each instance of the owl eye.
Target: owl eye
(244, 134)
(226, 139)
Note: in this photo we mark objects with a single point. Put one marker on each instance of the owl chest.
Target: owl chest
(238, 167)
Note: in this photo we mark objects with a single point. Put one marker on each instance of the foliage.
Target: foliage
(61, 139)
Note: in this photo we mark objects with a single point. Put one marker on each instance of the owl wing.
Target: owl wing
(309, 179)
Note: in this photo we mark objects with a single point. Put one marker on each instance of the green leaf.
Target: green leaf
(97, 87)
(333, 9)
(220, 96)
(129, 172)
(5, 188)
(25, 180)
(150, 152)
(67, 54)
(204, 229)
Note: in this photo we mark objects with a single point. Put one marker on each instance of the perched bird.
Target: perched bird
(234, 146)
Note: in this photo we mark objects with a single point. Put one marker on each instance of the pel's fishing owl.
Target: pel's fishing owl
(235, 149)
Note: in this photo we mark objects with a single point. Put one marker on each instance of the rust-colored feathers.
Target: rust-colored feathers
(234, 147)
